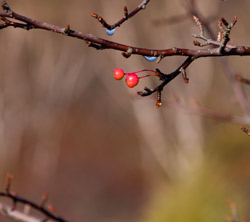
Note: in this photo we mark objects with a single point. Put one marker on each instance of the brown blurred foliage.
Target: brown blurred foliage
(68, 128)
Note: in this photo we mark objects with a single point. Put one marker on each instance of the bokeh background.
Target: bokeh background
(102, 152)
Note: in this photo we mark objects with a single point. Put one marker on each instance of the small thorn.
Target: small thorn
(184, 75)
(51, 209)
(93, 15)
(9, 178)
(125, 12)
(235, 20)
(67, 29)
(44, 199)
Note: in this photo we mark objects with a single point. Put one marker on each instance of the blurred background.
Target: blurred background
(101, 151)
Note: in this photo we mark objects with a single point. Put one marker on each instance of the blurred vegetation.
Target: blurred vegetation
(102, 152)
(204, 196)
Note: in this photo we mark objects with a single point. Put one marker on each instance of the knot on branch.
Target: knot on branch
(67, 30)
(128, 53)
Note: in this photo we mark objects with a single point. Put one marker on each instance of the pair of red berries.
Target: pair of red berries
(132, 79)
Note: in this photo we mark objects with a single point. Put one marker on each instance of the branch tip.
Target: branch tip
(51, 208)
(125, 12)
(158, 102)
(184, 75)
(198, 23)
(235, 20)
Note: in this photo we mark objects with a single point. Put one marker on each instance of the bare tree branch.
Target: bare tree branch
(14, 213)
(28, 24)
(240, 96)
(220, 46)
(126, 16)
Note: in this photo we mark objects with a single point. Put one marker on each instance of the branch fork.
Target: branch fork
(126, 16)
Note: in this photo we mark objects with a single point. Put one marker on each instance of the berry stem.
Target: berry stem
(154, 74)
(145, 70)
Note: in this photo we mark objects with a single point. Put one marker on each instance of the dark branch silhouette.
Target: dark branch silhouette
(14, 213)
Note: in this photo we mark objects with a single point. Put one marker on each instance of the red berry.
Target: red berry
(132, 80)
(118, 73)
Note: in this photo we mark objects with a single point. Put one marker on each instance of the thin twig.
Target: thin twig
(127, 15)
(226, 33)
(166, 78)
(28, 24)
(44, 211)
(240, 95)
(14, 213)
